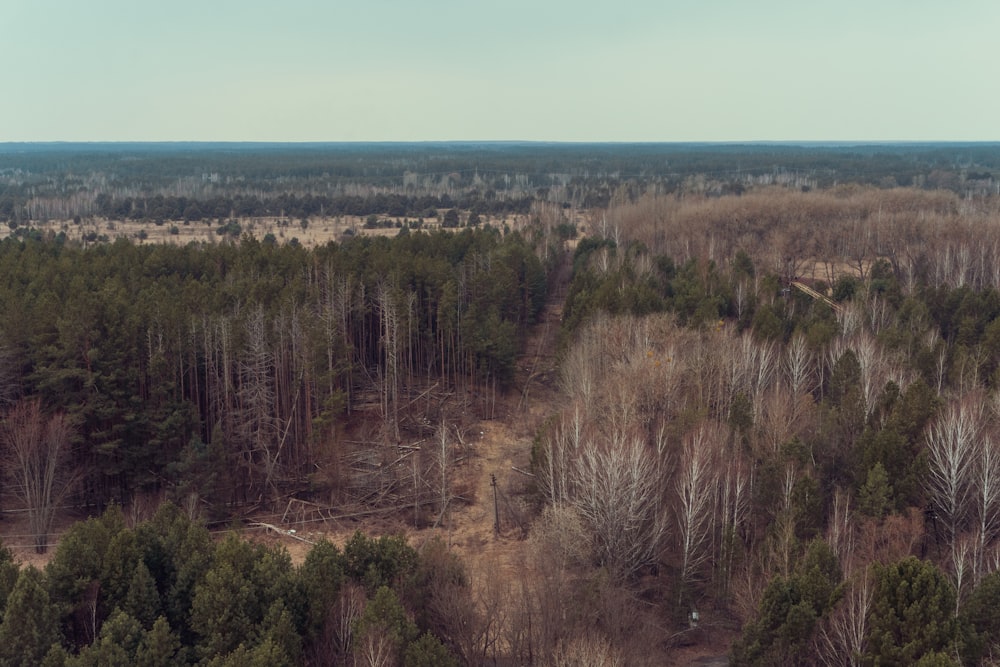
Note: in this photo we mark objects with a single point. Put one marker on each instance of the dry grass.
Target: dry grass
(318, 232)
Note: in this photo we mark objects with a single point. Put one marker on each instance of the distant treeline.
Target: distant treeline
(305, 206)
(45, 181)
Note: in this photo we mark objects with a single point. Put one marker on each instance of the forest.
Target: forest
(771, 430)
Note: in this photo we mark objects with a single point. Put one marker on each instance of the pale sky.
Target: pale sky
(541, 70)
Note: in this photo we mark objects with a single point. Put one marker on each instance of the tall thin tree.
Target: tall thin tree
(37, 447)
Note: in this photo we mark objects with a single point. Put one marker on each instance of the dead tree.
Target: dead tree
(389, 338)
(258, 425)
(37, 448)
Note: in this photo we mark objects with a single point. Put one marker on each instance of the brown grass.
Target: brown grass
(318, 232)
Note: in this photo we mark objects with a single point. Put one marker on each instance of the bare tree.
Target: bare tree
(376, 649)
(443, 459)
(799, 367)
(389, 322)
(617, 491)
(952, 443)
(843, 635)
(258, 425)
(344, 616)
(37, 449)
(961, 565)
(734, 509)
(559, 451)
(696, 488)
(587, 651)
(987, 499)
(840, 532)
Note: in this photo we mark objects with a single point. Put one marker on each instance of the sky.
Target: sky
(532, 70)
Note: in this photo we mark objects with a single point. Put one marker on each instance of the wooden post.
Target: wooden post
(496, 508)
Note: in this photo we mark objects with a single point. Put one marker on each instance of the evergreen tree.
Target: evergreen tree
(912, 614)
(321, 577)
(979, 622)
(142, 600)
(116, 646)
(783, 630)
(428, 651)
(383, 630)
(160, 647)
(30, 625)
(9, 571)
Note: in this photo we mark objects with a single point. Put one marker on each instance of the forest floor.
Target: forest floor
(500, 450)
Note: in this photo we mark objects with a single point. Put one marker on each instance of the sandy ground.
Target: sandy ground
(318, 231)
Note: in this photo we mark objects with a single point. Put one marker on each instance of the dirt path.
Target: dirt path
(496, 449)
(503, 450)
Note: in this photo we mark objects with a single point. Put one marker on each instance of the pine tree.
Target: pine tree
(142, 600)
(159, 647)
(30, 625)
(912, 613)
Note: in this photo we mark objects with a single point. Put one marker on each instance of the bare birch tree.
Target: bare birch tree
(987, 500)
(844, 633)
(617, 491)
(37, 448)
(559, 451)
(696, 491)
(952, 444)
(799, 367)
(735, 488)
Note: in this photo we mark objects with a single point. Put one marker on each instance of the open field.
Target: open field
(318, 231)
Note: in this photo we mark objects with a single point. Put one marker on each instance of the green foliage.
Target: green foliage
(845, 380)
(768, 324)
(979, 622)
(912, 615)
(81, 575)
(116, 646)
(279, 628)
(789, 611)
(428, 651)
(898, 448)
(141, 345)
(874, 497)
(8, 576)
(178, 553)
(160, 647)
(30, 623)
(231, 228)
(142, 600)
(235, 599)
(237, 603)
(384, 620)
(321, 577)
(845, 287)
(266, 654)
(378, 562)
